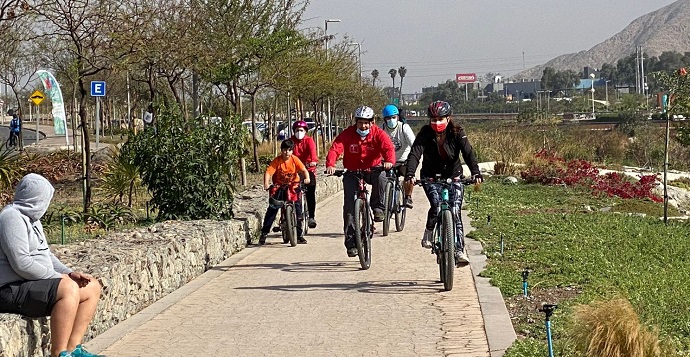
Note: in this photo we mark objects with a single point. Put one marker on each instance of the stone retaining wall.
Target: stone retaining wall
(140, 266)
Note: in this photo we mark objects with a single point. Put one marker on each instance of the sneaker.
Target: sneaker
(461, 259)
(80, 351)
(408, 202)
(262, 239)
(301, 240)
(65, 354)
(311, 223)
(351, 252)
(378, 215)
(427, 239)
(276, 229)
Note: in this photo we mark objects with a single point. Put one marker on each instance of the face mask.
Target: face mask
(439, 127)
(392, 123)
(362, 133)
(300, 135)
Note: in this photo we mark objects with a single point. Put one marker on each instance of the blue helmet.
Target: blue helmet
(390, 110)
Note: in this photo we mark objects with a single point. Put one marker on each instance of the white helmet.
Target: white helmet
(364, 112)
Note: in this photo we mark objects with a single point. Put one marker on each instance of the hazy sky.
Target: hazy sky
(435, 39)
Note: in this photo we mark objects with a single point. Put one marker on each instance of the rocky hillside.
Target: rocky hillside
(666, 29)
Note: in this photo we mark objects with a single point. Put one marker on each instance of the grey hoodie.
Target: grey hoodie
(24, 252)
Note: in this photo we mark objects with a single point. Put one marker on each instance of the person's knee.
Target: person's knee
(93, 289)
(68, 289)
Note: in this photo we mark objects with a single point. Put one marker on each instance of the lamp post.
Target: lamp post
(328, 115)
(359, 60)
(591, 75)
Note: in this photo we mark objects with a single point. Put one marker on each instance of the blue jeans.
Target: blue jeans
(433, 193)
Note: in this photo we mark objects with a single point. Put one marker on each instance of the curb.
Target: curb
(497, 324)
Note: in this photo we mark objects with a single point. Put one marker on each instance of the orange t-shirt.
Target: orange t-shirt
(285, 171)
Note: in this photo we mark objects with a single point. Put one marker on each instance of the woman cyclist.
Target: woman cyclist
(441, 143)
(305, 150)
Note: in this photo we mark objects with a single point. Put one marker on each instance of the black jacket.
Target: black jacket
(425, 145)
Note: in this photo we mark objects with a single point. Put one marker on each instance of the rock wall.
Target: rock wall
(140, 266)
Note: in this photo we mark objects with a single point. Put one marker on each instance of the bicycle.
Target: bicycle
(12, 141)
(394, 202)
(305, 211)
(363, 216)
(444, 232)
(288, 217)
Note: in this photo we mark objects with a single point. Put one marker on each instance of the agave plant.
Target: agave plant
(10, 169)
(120, 178)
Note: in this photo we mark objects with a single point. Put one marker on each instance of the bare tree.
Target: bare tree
(374, 76)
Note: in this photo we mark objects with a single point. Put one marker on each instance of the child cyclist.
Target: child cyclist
(284, 171)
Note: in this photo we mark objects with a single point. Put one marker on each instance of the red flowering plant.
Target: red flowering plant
(550, 169)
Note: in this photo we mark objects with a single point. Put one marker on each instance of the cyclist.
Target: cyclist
(363, 146)
(305, 150)
(402, 136)
(15, 129)
(285, 169)
(441, 143)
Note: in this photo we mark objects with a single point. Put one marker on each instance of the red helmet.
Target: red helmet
(300, 124)
(439, 108)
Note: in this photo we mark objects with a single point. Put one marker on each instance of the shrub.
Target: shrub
(189, 168)
(613, 329)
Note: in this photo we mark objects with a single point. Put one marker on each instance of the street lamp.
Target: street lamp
(591, 75)
(359, 60)
(328, 115)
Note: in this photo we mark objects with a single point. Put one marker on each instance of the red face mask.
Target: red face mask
(439, 127)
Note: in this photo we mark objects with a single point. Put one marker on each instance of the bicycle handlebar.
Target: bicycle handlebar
(339, 173)
(464, 180)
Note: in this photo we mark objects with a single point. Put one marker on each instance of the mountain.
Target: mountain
(666, 29)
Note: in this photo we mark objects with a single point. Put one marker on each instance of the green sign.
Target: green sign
(395, 101)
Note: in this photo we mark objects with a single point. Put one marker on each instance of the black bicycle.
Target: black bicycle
(445, 236)
(363, 217)
(305, 211)
(12, 141)
(394, 202)
(288, 216)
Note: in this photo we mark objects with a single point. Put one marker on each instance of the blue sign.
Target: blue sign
(98, 88)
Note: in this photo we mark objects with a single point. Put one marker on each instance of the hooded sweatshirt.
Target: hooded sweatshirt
(24, 252)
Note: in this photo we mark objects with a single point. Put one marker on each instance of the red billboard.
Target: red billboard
(466, 77)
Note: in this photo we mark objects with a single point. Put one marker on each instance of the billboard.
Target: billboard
(466, 77)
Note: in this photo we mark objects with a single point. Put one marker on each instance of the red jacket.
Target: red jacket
(361, 153)
(305, 150)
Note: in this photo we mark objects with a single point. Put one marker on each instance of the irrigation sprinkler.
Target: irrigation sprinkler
(62, 228)
(501, 243)
(488, 220)
(525, 275)
(547, 309)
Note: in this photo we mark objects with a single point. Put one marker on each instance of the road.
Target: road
(312, 300)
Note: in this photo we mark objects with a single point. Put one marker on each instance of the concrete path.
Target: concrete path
(312, 300)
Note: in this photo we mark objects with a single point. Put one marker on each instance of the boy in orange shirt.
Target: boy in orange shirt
(284, 171)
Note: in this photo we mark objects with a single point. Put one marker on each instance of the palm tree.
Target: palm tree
(402, 71)
(392, 72)
(374, 75)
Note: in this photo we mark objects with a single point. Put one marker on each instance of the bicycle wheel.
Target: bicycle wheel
(448, 249)
(305, 215)
(400, 210)
(290, 229)
(363, 233)
(388, 199)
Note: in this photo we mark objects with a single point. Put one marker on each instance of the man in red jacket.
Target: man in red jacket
(363, 146)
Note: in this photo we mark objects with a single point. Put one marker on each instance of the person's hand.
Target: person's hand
(306, 180)
(478, 179)
(82, 279)
(313, 164)
(411, 180)
(387, 165)
(330, 170)
(266, 187)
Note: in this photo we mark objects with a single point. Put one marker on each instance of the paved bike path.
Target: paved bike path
(312, 300)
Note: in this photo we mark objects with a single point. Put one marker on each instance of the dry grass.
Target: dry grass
(613, 329)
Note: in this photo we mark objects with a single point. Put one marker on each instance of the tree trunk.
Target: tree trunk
(254, 141)
(86, 148)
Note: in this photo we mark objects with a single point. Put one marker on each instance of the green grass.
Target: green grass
(603, 254)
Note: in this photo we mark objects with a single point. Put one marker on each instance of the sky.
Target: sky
(435, 39)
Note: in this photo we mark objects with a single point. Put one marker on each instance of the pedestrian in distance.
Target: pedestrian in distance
(284, 172)
(33, 282)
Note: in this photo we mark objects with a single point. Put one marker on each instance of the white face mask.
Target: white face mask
(300, 135)
(392, 123)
